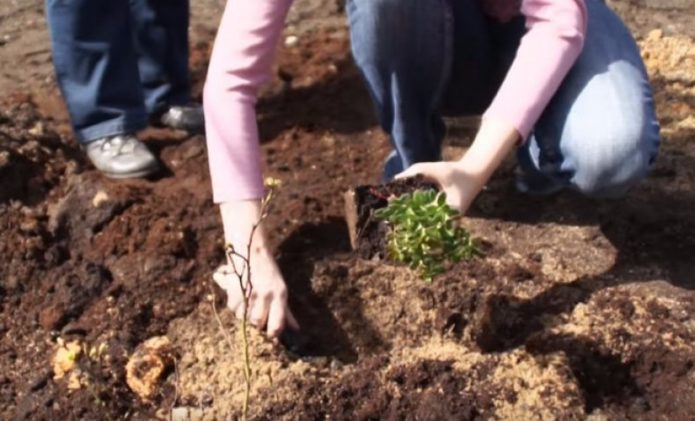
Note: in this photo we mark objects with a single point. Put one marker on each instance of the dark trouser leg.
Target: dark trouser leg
(96, 66)
(405, 50)
(599, 134)
(160, 30)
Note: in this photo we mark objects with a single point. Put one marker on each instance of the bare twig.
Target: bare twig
(226, 335)
(246, 290)
(176, 391)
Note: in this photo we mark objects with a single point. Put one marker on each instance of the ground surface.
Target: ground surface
(580, 309)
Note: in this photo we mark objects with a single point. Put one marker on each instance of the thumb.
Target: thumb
(453, 199)
(412, 171)
(221, 276)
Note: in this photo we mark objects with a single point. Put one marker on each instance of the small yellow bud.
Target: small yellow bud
(272, 182)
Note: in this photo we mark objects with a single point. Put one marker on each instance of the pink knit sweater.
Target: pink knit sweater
(246, 44)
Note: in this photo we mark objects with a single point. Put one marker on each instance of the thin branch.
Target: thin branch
(226, 335)
(246, 290)
(176, 391)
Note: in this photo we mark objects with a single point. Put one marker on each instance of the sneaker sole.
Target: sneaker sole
(134, 174)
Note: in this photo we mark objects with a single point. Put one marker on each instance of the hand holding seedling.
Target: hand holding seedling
(460, 186)
(267, 297)
(462, 180)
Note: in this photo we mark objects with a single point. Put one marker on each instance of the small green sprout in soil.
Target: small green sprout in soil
(424, 233)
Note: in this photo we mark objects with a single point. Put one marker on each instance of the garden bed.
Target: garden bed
(577, 307)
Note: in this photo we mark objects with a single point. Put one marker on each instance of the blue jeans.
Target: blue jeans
(118, 61)
(424, 59)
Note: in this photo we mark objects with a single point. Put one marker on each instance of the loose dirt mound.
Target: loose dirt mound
(579, 308)
(108, 263)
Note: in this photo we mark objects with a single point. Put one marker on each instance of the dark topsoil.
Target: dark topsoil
(578, 307)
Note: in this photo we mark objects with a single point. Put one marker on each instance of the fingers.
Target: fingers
(229, 282)
(280, 316)
(259, 309)
(267, 300)
(221, 278)
(432, 171)
(453, 200)
(411, 171)
(291, 320)
(276, 317)
(240, 309)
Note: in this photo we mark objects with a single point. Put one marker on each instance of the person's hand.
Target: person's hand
(460, 186)
(462, 180)
(267, 297)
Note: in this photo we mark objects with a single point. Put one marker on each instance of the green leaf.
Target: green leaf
(425, 233)
(441, 199)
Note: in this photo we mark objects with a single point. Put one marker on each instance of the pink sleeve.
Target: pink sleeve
(550, 47)
(241, 60)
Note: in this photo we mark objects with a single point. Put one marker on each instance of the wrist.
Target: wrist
(238, 220)
(469, 181)
(495, 139)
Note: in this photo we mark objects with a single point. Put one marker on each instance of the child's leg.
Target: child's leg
(96, 66)
(599, 134)
(405, 50)
(161, 42)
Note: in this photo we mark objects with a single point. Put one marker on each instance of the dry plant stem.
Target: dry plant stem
(231, 347)
(246, 295)
(176, 388)
(219, 322)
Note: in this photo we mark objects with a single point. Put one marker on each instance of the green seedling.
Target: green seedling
(425, 233)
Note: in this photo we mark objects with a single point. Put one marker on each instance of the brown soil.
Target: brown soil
(367, 234)
(578, 309)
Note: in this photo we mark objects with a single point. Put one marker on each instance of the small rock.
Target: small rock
(180, 414)
(53, 317)
(37, 129)
(291, 41)
(65, 358)
(163, 414)
(99, 198)
(207, 400)
(4, 380)
(336, 364)
(29, 224)
(39, 382)
(183, 413)
(30, 147)
(147, 365)
(655, 35)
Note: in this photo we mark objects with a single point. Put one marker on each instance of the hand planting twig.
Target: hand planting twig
(241, 269)
(425, 233)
